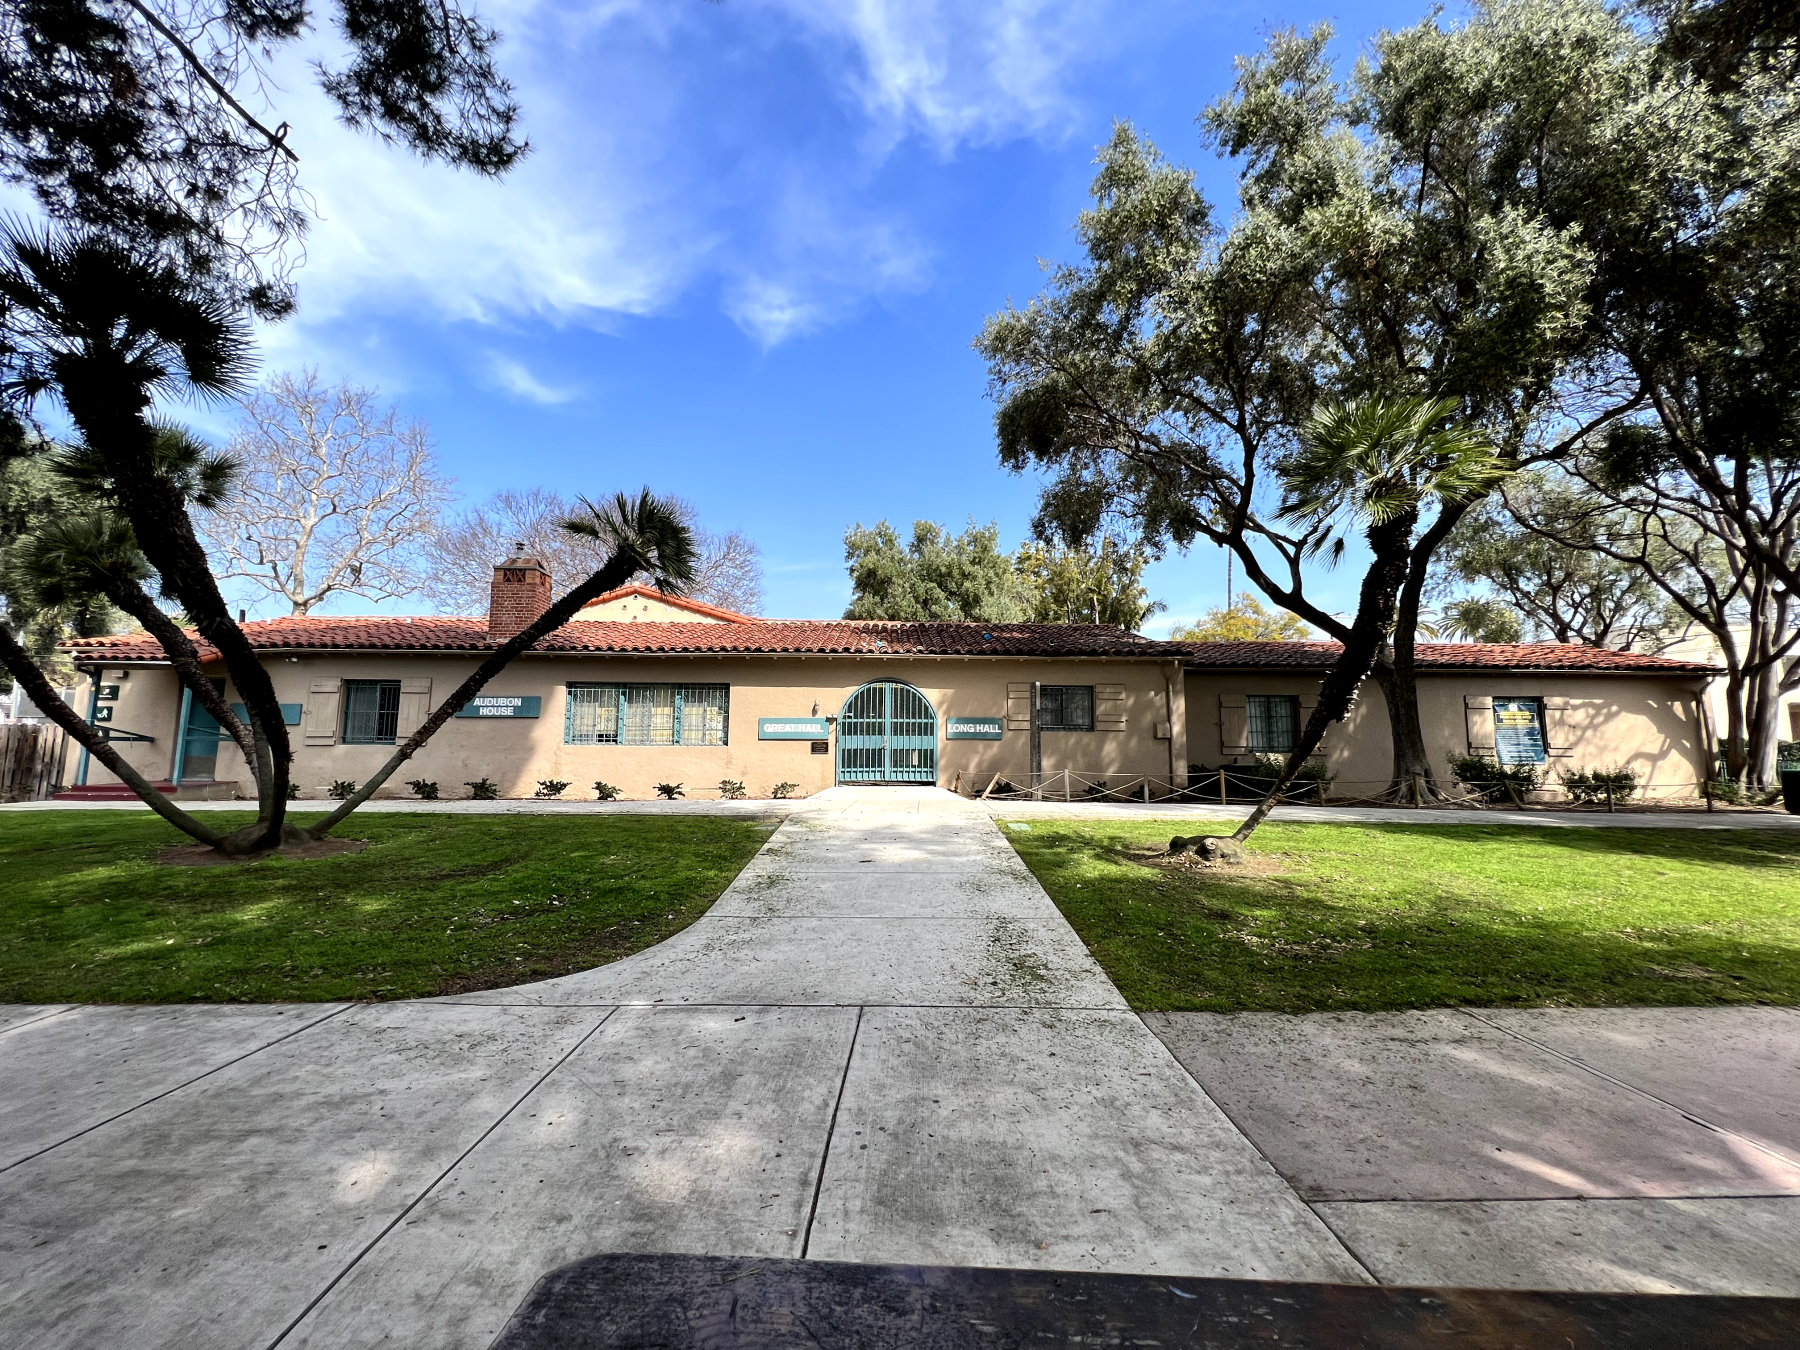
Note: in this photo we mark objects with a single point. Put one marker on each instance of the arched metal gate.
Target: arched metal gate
(887, 733)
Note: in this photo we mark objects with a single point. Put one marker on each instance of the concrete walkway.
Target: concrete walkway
(882, 1044)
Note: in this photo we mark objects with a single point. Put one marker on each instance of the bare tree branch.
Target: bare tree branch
(336, 496)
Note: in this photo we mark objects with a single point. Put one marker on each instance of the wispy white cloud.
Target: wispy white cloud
(959, 72)
(516, 378)
(652, 177)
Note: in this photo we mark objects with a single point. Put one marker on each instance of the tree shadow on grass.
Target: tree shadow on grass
(1738, 847)
(1325, 935)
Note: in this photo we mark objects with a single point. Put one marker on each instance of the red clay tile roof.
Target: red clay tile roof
(756, 636)
(861, 637)
(1572, 657)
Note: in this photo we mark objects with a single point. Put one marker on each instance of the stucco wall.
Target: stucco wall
(517, 752)
(1603, 721)
(149, 699)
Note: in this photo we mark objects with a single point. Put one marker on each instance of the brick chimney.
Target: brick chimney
(521, 592)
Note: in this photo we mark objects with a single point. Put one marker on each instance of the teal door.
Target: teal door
(887, 733)
(200, 742)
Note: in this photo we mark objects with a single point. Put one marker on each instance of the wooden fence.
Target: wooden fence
(33, 756)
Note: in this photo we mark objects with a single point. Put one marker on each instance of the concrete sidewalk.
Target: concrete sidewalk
(1645, 1149)
(882, 1044)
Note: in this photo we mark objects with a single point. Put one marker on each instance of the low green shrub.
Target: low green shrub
(483, 790)
(1592, 786)
(343, 788)
(781, 790)
(606, 792)
(550, 787)
(1490, 780)
(1312, 783)
(731, 790)
(669, 791)
(1726, 790)
(293, 791)
(424, 791)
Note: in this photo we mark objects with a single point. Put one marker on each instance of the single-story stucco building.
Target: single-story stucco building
(642, 689)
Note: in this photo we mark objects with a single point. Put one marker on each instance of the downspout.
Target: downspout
(81, 771)
(1037, 740)
(1169, 714)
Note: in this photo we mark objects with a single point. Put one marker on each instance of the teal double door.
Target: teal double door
(887, 733)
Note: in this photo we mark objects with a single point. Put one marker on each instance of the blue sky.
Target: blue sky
(746, 258)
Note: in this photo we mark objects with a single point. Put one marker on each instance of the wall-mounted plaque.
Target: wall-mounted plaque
(792, 728)
(501, 705)
(109, 691)
(103, 713)
(974, 728)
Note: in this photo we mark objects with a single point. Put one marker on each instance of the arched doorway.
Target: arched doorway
(887, 733)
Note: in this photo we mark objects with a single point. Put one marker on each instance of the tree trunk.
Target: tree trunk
(23, 669)
(619, 569)
(1737, 758)
(1337, 691)
(1411, 758)
(108, 403)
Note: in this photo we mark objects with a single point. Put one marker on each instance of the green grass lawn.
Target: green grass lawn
(434, 905)
(1395, 916)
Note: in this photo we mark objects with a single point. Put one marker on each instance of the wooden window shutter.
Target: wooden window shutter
(1234, 725)
(1559, 728)
(320, 721)
(1109, 707)
(1478, 715)
(1307, 703)
(1018, 706)
(415, 705)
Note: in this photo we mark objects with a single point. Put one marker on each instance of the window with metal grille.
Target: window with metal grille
(1274, 723)
(1066, 707)
(648, 714)
(371, 711)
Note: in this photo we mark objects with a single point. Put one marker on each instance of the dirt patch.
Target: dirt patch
(1192, 864)
(199, 855)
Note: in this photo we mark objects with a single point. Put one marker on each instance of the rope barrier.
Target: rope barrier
(1222, 787)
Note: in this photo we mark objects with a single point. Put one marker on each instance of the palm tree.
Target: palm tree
(106, 332)
(1376, 463)
(645, 534)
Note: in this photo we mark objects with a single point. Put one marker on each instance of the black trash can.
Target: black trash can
(1790, 790)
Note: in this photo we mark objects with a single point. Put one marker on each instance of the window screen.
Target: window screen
(1274, 723)
(371, 711)
(648, 714)
(1067, 707)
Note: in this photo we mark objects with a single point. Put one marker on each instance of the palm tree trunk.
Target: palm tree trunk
(23, 669)
(619, 569)
(109, 406)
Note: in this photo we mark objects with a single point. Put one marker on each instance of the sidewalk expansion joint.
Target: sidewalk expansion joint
(812, 1212)
(435, 1182)
(1632, 1087)
(41, 1017)
(235, 1059)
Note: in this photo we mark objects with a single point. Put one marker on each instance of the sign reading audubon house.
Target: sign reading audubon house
(792, 729)
(974, 728)
(502, 705)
